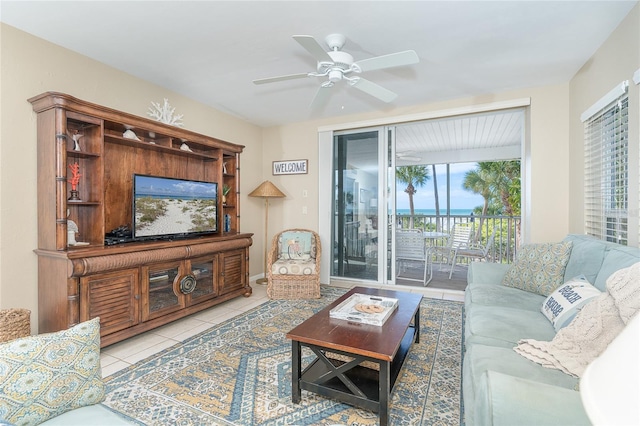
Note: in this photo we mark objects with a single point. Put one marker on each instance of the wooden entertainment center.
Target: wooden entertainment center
(132, 286)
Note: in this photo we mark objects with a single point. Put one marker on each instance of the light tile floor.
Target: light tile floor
(121, 355)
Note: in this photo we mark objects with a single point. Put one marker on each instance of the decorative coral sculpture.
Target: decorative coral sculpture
(75, 176)
(164, 113)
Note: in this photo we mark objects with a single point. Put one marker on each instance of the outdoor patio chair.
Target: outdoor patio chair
(410, 250)
(293, 265)
(460, 238)
(474, 251)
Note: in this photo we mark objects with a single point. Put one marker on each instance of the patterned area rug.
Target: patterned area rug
(239, 373)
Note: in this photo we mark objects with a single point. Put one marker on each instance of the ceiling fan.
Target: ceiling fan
(407, 156)
(337, 65)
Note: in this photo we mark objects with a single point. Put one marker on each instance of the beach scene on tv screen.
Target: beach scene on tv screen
(170, 206)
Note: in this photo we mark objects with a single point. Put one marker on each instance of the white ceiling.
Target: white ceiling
(211, 51)
(490, 136)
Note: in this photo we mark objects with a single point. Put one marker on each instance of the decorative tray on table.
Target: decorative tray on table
(365, 308)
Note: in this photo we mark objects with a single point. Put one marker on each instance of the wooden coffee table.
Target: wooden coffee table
(382, 347)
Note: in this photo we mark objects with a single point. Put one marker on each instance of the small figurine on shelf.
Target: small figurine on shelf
(224, 168)
(130, 134)
(76, 140)
(225, 191)
(72, 229)
(75, 179)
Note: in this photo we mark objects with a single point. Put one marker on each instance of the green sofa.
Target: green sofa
(501, 387)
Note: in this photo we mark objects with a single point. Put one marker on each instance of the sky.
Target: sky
(425, 198)
(152, 185)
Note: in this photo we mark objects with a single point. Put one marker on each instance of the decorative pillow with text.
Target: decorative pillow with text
(564, 304)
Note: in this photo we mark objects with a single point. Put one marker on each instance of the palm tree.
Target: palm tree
(510, 194)
(414, 177)
(497, 181)
(499, 184)
(435, 194)
(478, 181)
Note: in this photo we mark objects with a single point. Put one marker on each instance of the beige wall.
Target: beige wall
(615, 61)
(31, 66)
(549, 112)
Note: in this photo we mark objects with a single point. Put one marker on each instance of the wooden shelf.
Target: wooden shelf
(81, 154)
(159, 148)
(84, 203)
(116, 282)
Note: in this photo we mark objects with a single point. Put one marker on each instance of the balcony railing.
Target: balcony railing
(507, 231)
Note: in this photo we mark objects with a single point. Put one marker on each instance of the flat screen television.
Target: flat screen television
(168, 208)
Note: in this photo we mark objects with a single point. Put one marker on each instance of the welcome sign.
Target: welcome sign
(290, 167)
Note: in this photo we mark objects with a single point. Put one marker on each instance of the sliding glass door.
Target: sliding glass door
(355, 223)
(408, 176)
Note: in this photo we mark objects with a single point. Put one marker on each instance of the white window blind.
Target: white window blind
(636, 80)
(607, 171)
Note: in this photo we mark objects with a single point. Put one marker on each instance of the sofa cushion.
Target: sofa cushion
(479, 359)
(46, 375)
(539, 268)
(616, 258)
(504, 327)
(587, 255)
(499, 295)
(504, 400)
(564, 304)
(96, 414)
(486, 272)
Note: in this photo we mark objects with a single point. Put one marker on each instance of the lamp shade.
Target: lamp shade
(267, 190)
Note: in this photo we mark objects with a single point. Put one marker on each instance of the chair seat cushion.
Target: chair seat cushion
(294, 267)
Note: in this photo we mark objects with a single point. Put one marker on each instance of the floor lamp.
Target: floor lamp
(266, 190)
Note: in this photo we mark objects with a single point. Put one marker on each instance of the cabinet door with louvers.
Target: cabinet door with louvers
(232, 265)
(112, 296)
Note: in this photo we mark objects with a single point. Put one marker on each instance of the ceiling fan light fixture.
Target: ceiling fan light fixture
(335, 75)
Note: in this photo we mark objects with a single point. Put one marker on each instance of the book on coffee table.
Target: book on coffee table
(365, 308)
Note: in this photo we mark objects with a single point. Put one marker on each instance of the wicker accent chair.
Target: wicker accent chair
(293, 265)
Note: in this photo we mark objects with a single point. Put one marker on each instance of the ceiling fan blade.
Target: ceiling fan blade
(399, 59)
(408, 158)
(280, 78)
(320, 99)
(313, 47)
(373, 89)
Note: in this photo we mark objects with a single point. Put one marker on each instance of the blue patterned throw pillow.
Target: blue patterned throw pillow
(297, 245)
(539, 268)
(46, 375)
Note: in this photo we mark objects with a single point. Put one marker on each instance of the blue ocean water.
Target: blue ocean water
(175, 196)
(432, 212)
